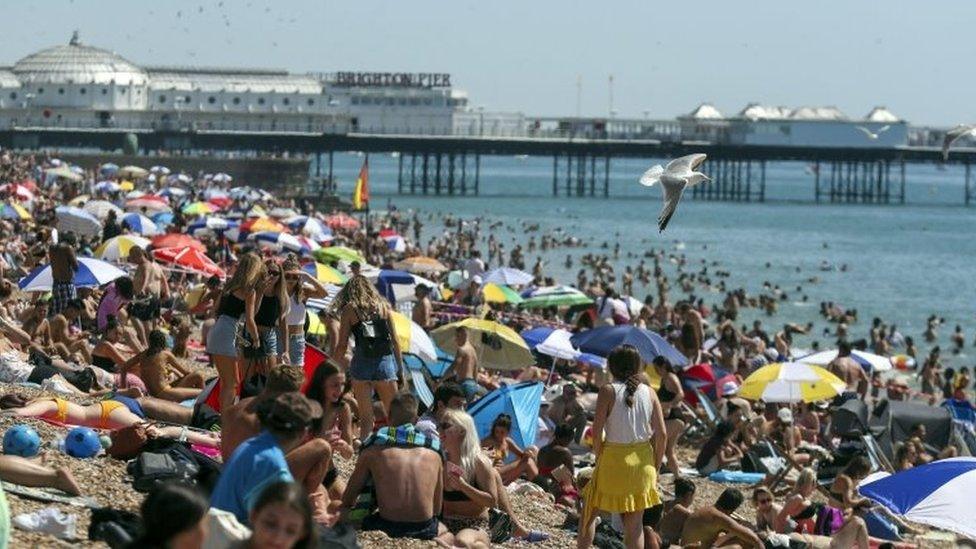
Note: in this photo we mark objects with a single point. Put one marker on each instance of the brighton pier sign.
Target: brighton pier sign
(393, 79)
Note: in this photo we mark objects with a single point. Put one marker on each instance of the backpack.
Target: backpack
(115, 527)
(152, 468)
(206, 470)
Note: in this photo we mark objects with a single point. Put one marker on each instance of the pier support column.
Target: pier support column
(606, 177)
(749, 181)
(569, 175)
(816, 181)
(464, 173)
(581, 176)
(413, 173)
(593, 175)
(555, 175)
(331, 184)
(477, 173)
(425, 179)
(901, 191)
(762, 182)
(400, 173)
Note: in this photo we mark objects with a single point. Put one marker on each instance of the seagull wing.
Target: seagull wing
(673, 188)
(866, 132)
(883, 129)
(685, 164)
(952, 136)
(652, 176)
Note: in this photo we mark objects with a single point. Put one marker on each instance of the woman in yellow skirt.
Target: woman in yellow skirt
(628, 418)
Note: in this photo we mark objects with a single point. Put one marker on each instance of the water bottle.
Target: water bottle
(59, 444)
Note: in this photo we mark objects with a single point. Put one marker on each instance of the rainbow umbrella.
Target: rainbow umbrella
(324, 273)
(199, 208)
(117, 248)
(12, 210)
(498, 347)
(791, 382)
(499, 293)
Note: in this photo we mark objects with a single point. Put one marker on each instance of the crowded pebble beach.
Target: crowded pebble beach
(187, 360)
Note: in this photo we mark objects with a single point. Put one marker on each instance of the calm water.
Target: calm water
(904, 262)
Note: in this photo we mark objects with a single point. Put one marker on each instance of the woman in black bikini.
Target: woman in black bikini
(799, 512)
(670, 394)
(328, 388)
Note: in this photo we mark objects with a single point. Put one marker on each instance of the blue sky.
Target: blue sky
(665, 57)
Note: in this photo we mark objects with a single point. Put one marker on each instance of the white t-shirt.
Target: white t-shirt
(629, 424)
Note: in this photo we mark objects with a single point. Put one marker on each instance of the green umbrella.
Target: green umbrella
(337, 253)
(558, 298)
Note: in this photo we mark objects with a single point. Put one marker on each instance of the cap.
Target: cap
(729, 388)
(289, 411)
(785, 415)
(476, 279)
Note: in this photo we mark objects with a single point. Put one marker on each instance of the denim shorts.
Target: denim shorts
(373, 369)
(269, 341)
(222, 338)
(296, 349)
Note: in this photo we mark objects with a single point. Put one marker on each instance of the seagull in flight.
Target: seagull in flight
(678, 174)
(954, 135)
(873, 135)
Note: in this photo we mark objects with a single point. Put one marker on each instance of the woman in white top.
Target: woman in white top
(629, 439)
(300, 286)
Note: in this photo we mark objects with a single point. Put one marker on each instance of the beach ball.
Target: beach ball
(82, 442)
(21, 440)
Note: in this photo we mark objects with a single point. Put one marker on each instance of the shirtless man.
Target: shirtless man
(309, 463)
(465, 366)
(713, 526)
(676, 513)
(64, 264)
(566, 409)
(150, 288)
(688, 315)
(66, 344)
(157, 366)
(422, 309)
(849, 371)
(410, 495)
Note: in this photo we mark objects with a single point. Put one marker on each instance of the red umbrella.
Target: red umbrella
(190, 259)
(29, 183)
(177, 240)
(341, 221)
(17, 191)
(388, 233)
(221, 202)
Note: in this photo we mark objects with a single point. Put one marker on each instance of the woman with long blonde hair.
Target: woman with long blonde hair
(270, 318)
(300, 286)
(469, 484)
(238, 302)
(376, 359)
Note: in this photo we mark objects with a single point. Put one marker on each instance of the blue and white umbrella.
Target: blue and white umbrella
(552, 342)
(163, 218)
(222, 177)
(602, 340)
(76, 220)
(107, 187)
(91, 273)
(141, 224)
(159, 169)
(101, 208)
(310, 227)
(108, 168)
(211, 225)
(939, 494)
(280, 242)
(173, 192)
(508, 276)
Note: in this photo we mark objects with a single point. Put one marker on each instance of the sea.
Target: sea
(902, 263)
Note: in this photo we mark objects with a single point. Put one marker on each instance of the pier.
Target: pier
(451, 165)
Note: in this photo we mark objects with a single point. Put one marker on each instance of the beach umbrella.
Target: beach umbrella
(64, 172)
(221, 202)
(126, 185)
(173, 192)
(132, 195)
(554, 296)
(134, 172)
(177, 240)
(303, 224)
(421, 264)
(387, 279)
(141, 224)
(117, 248)
(396, 244)
(101, 208)
(499, 293)
(869, 361)
(108, 168)
(249, 193)
(498, 347)
(182, 178)
(342, 221)
(282, 213)
(337, 253)
(791, 382)
(509, 276)
(79, 200)
(13, 210)
(107, 187)
(602, 340)
(263, 224)
(190, 259)
(324, 273)
(284, 242)
(162, 170)
(151, 203)
(71, 219)
(91, 273)
(18, 191)
(211, 225)
(552, 342)
(520, 401)
(256, 211)
(199, 208)
(222, 178)
(413, 339)
(939, 494)
(163, 218)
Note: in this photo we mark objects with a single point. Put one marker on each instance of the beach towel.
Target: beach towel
(49, 495)
(736, 477)
(404, 436)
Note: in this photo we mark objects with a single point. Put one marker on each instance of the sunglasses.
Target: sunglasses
(444, 426)
(763, 501)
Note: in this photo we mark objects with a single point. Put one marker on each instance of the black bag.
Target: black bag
(606, 537)
(115, 527)
(206, 470)
(152, 468)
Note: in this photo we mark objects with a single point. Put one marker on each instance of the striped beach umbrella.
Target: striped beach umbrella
(141, 224)
(72, 219)
(554, 296)
(869, 361)
(324, 273)
(151, 203)
(498, 347)
(499, 293)
(118, 247)
(199, 208)
(413, 339)
(91, 273)
(939, 494)
(177, 240)
(101, 209)
(13, 210)
(552, 342)
(791, 382)
(509, 276)
(211, 225)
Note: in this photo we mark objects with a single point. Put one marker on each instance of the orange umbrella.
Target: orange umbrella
(190, 259)
(341, 221)
(263, 224)
(177, 240)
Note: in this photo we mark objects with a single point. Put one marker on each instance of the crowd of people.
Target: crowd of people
(216, 354)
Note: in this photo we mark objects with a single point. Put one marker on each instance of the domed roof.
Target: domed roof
(76, 63)
(706, 110)
(881, 114)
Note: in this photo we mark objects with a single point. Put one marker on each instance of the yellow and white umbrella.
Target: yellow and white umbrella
(117, 248)
(498, 346)
(413, 339)
(791, 382)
